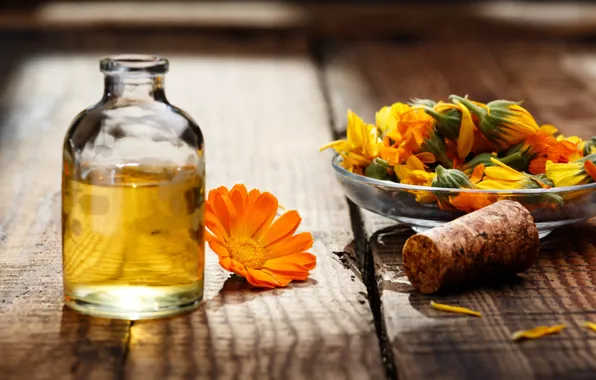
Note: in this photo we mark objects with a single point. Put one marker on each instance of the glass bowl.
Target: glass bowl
(551, 208)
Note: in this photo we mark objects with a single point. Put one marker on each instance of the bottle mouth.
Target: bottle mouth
(134, 63)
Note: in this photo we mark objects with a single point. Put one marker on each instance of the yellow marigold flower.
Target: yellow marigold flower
(503, 122)
(503, 177)
(574, 173)
(241, 230)
(536, 332)
(361, 146)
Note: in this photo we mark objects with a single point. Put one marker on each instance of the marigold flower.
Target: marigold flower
(503, 122)
(504, 177)
(574, 173)
(361, 146)
(241, 230)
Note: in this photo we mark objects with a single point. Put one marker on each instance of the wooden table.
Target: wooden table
(266, 104)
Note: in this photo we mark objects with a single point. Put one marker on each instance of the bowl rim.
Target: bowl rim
(337, 159)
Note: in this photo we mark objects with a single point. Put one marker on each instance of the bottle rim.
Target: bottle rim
(134, 63)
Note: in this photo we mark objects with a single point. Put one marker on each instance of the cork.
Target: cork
(498, 240)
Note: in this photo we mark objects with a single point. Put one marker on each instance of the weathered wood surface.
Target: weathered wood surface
(435, 19)
(557, 83)
(264, 116)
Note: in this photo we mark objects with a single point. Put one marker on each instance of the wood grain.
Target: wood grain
(425, 343)
(263, 115)
(38, 339)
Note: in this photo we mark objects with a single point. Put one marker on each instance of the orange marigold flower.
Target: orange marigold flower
(243, 233)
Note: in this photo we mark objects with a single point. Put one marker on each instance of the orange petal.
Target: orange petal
(465, 139)
(233, 266)
(213, 223)
(260, 215)
(590, 169)
(261, 279)
(222, 190)
(426, 157)
(477, 173)
(295, 244)
(538, 165)
(285, 276)
(306, 260)
(219, 248)
(239, 196)
(221, 212)
(284, 226)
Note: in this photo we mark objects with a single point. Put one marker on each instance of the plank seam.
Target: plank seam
(365, 255)
(121, 372)
(362, 249)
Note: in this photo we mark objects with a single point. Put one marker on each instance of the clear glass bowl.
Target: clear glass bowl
(551, 208)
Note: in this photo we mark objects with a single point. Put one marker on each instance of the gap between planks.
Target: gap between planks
(361, 246)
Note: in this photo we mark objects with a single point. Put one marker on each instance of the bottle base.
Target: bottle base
(132, 302)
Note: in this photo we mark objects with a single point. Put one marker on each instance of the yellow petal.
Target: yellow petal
(490, 184)
(549, 129)
(454, 309)
(590, 325)
(502, 174)
(536, 332)
(339, 145)
(415, 164)
(465, 139)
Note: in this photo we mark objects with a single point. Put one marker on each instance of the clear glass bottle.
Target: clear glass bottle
(132, 199)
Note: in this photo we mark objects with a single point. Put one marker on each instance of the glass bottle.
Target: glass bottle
(132, 199)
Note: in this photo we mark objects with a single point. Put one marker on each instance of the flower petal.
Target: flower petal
(213, 223)
(295, 244)
(219, 248)
(306, 260)
(590, 168)
(261, 279)
(465, 140)
(477, 174)
(260, 215)
(285, 276)
(284, 226)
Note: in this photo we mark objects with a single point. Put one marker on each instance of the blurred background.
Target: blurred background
(378, 52)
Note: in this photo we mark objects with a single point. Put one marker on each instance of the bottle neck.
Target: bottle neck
(134, 87)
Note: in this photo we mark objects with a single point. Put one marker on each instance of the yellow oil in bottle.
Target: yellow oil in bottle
(133, 240)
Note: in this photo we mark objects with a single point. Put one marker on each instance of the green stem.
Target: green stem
(477, 110)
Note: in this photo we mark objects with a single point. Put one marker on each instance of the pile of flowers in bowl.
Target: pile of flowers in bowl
(461, 155)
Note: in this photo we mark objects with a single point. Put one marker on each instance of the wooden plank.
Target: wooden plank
(461, 20)
(559, 289)
(38, 338)
(264, 120)
(263, 114)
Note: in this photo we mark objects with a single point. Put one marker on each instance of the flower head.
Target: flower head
(361, 146)
(503, 122)
(243, 233)
(503, 177)
(579, 172)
